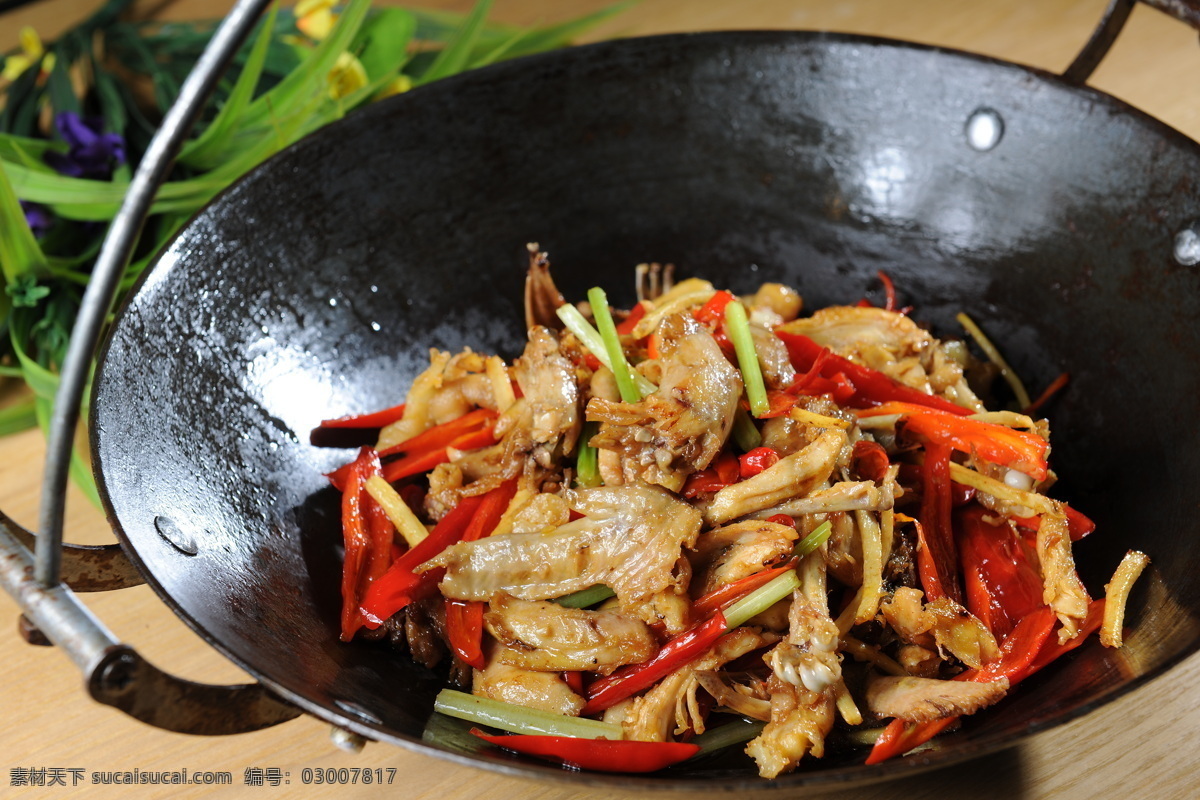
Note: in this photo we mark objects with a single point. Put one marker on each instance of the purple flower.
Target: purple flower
(39, 218)
(93, 153)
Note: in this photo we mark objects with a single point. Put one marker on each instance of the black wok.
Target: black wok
(315, 287)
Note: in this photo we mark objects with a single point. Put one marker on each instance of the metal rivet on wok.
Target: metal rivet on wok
(984, 129)
(346, 740)
(351, 707)
(1187, 245)
(117, 675)
(175, 535)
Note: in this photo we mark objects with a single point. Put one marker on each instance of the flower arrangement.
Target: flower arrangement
(77, 114)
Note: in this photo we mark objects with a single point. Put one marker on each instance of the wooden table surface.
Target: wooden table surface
(1143, 743)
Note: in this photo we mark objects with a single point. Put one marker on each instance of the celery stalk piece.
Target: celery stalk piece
(761, 599)
(727, 735)
(519, 719)
(586, 597)
(612, 345)
(589, 338)
(738, 327)
(745, 433)
(587, 462)
(814, 539)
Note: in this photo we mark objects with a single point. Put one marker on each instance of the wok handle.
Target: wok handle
(1115, 17)
(85, 568)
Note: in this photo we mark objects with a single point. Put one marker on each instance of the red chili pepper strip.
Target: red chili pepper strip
(755, 461)
(630, 322)
(778, 403)
(996, 443)
(1017, 654)
(1052, 649)
(357, 540)
(601, 755)
(889, 290)
(1054, 388)
(678, 651)
(441, 436)
(416, 463)
(368, 535)
(938, 569)
(464, 630)
(574, 681)
(400, 586)
(375, 419)
(718, 599)
(727, 467)
(870, 460)
(705, 481)
(1079, 524)
(1017, 650)
(464, 618)
(870, 387)
(1001, 585)
(714, 310)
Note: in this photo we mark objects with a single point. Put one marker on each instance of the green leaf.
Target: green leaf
(538, 40)
(28, 152)
(25, 291)
(112, 102)
(58, 85)
(20, 254)
(79, 470)
(209, 148)
(382, 43)
(455, 56)
(18, 417)
(309, 77)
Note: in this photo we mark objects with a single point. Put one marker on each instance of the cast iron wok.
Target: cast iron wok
(315, 286)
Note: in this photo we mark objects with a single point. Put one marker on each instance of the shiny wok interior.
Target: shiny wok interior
(315, 287)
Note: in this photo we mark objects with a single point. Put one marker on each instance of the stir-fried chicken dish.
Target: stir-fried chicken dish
(710, 511)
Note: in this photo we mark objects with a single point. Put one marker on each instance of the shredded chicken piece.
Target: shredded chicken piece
(547, 381)
(779, 298)
(524, 687)
(941, 623)
(671, 706)
(545, 636)
(629, 539)
(683, 296)
(792, 476)
(541, 514)
(773, 358)
(416, 416)
(927, 699)
(805, 682)
(1063, 591)
(891, 343)
(723, 555)
(681, 427)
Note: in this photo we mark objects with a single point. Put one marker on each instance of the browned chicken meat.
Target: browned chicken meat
(681, 427)
(767, 535)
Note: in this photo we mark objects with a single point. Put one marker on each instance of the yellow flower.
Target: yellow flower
(315, 18)
(31, 52)
(346, 77)
(398, 85)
